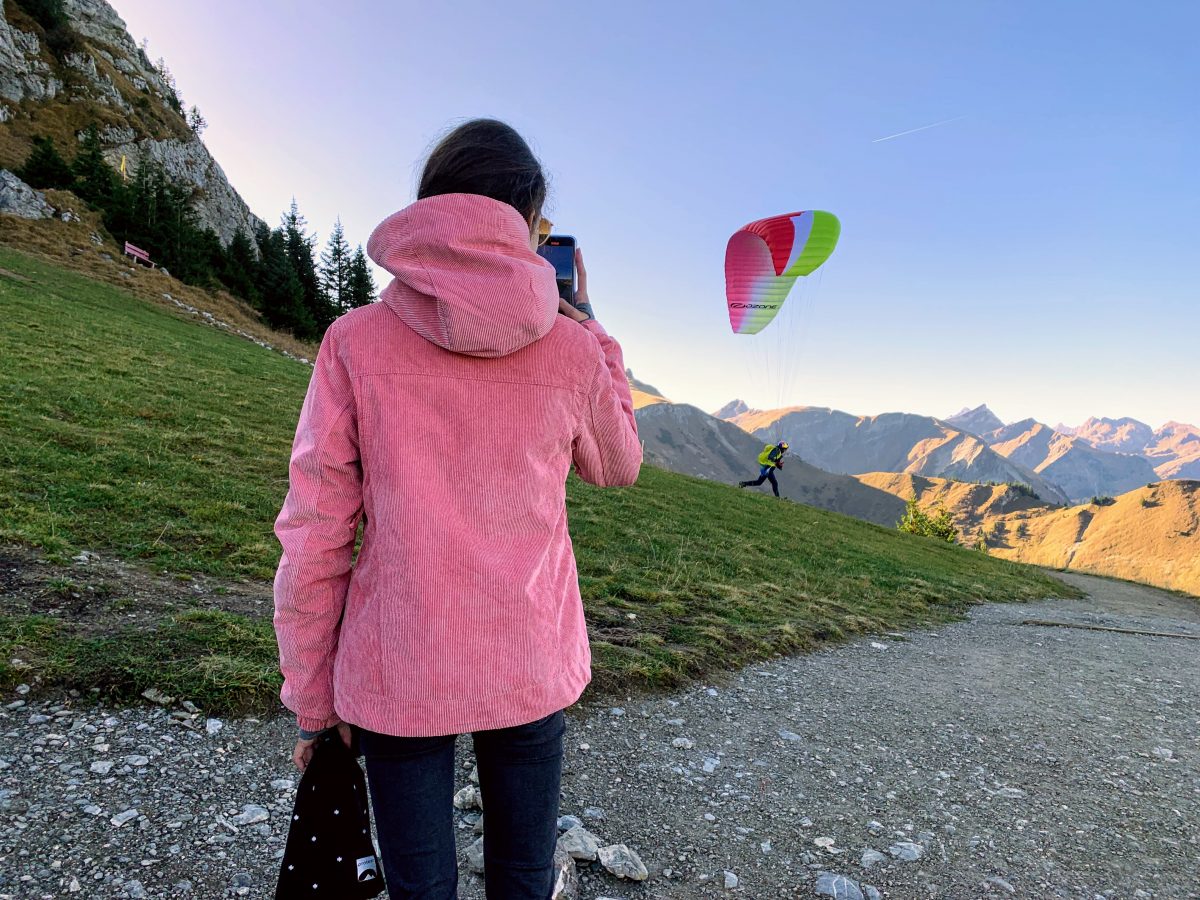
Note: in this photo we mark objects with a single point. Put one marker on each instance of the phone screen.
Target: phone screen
(560, 251)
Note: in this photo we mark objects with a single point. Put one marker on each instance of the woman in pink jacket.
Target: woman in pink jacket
(446, 418)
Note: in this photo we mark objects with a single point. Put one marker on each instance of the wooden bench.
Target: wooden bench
(137, 253)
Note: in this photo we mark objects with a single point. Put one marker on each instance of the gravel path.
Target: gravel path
(1009, 759)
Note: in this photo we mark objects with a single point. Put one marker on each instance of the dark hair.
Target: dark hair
(485, 156)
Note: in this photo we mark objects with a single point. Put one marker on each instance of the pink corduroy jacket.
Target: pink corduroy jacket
(448, 416)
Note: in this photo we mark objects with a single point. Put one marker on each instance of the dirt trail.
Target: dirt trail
(1011, 760)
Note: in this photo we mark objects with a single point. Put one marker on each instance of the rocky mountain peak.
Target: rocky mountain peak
(731, 409)
(1124, 435)
(641, 385)
(979, 420)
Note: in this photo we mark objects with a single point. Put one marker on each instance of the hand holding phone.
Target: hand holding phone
(582, 303)
(561, 251)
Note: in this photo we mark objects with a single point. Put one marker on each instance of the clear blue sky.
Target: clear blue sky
(1039, 253)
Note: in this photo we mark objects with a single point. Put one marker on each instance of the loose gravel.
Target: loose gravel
(984, 759)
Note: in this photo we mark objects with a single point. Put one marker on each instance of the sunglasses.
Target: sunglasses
(545, 226)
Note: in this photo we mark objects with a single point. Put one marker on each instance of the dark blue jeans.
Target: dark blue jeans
(412, 781)
(766, 473)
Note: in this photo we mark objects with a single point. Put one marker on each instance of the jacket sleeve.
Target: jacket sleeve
(317, 528)
(606, 450)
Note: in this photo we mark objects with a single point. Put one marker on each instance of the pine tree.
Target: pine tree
(168, 80)
(362, 284)
(282, 295)
(45, 168)
(300, 251)
(96, 181)
(157, 215)
(335, 269)
(240, 273)
(196, 120)
(135, 213)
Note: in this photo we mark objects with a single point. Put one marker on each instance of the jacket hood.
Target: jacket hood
(465, 276)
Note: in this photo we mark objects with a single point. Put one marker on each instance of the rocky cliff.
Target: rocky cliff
(56, 86)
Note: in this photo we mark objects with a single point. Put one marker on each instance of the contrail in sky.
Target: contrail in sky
(915, 130)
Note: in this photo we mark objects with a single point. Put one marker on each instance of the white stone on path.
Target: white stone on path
(871, 858)
(838, 887)
(251, 813)
(566, 878)
(579, 843)
(475, 856)
(468, 798)
(623, 862)
(906, 851)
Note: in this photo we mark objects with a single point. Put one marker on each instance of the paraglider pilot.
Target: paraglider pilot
(769, 460)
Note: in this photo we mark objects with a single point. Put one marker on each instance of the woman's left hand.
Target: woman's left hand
(303, 753)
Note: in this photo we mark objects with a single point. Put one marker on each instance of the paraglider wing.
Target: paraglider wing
(764, 259)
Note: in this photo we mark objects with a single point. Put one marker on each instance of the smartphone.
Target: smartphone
(559, 249)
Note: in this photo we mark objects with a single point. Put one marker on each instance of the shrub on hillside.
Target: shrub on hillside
(45, 169)
(1103, 501)
(981, 539)
(937, 524)
(1024, 489)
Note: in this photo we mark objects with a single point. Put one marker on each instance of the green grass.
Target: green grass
(128, 428)
(132, 432)
(223, 662)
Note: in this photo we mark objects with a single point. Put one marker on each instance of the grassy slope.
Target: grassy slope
(130, 430)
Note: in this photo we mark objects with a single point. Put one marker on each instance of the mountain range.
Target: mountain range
(1091, 498)
(892, 442)
(1069, 461)
(1172, 451)
(1101, 457)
